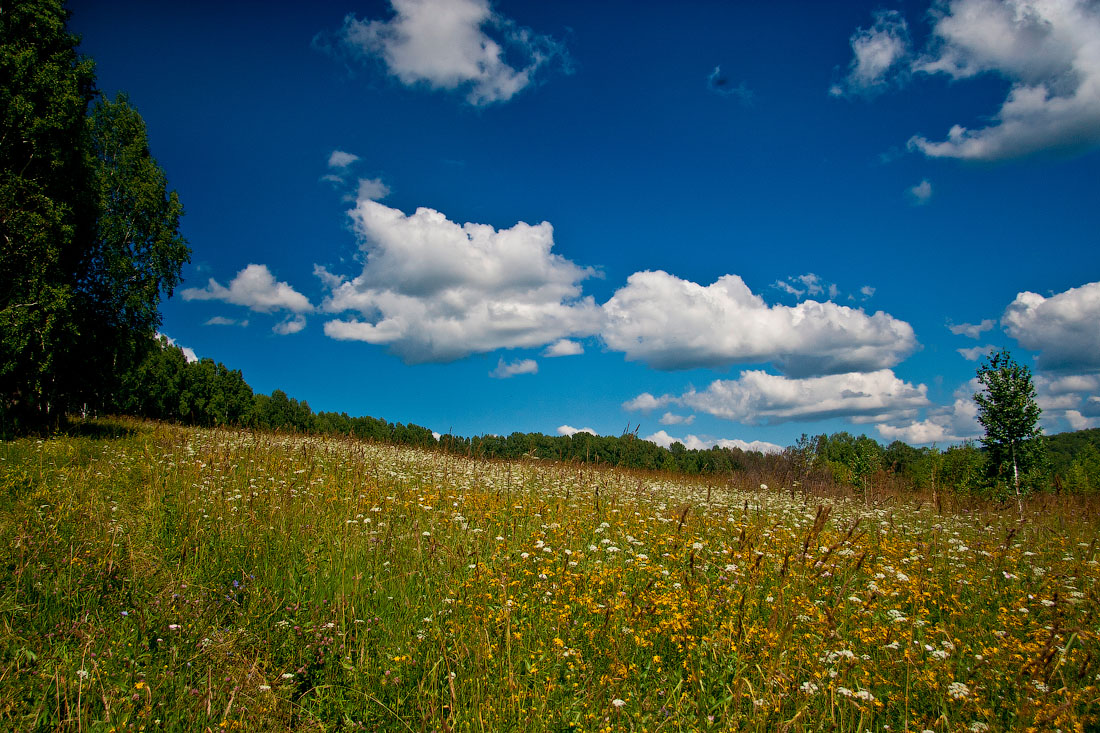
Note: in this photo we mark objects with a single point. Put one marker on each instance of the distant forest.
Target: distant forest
(165, 386)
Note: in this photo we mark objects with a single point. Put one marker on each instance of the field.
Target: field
(165, 578)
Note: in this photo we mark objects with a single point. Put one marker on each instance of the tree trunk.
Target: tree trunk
(1016, 482)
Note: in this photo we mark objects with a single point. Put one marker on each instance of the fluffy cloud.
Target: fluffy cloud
(937, 429)
(372, 189)
(694, 442)
(1068, 384)
(1065, 399)
(645, 402)
(876, 51)
(446, 44)
(1062, 328)
(757, 397)
(289, 325)
(255, 288)
(947, 424)
(339, 167)
(808, 284)
(976, 352)
(1077, 421)
(223, 321)
(570, 430)
(1049, 53)
(1074, 398)
(671, 323)
(434, 290)
(563, 347)
(508, 369)
(921, 193)
(973, 330)
(670, 418)
(340, 159)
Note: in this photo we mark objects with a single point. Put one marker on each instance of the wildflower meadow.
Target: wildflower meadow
(167, 578)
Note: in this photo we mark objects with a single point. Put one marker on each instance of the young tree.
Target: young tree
(1008, 411)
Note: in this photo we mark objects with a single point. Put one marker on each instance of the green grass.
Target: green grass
(165, 578)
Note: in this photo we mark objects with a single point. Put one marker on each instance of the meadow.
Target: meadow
(158, 577)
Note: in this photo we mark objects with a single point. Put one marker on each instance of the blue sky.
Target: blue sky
(706, 221)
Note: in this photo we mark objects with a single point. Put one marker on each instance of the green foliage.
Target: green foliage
(963, 469)
(1063, 448)
(165, 386)
(45, 88)
(135, 256)
(1008, 411)
(1083, 475)
(851, 460)
(90, 234)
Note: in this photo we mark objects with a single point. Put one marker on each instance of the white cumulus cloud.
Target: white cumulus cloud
(1066, 400)
(1077, 421)
(340, 159)
(694, 442)
(223, 321)
(671, 418)
(1046, 49)
(1062, 328)
(972, 330)
(1074, 398)
(434, 290)
(671, 323)
(570, 430)
(943, 424)
(876, 53)
(373, 189)
(806, 285)
(976, 352)
(645, 402)
(452, 44)
(508, 369)
(758, 397)
(563, 347)
(255, 288)
(921, 193)
(289, 325)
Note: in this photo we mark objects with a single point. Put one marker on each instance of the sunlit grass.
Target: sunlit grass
(184, 579)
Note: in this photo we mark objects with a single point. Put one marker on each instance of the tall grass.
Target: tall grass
(183, 579)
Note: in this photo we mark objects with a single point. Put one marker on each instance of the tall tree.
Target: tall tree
(133, 256)
(1009, 412)
(90, 234)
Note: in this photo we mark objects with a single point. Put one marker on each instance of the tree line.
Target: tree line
(165, 386)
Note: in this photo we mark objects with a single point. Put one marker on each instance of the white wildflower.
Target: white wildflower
(958, 690)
